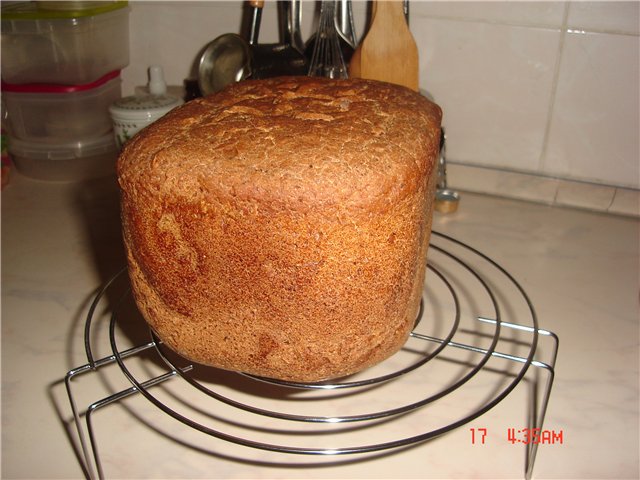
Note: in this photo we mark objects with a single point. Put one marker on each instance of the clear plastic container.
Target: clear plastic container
(73, 161)
(54, 113)
(63, 46)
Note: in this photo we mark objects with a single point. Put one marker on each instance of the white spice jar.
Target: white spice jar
(131, 114)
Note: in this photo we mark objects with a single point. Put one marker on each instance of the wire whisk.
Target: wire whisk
(327, 59)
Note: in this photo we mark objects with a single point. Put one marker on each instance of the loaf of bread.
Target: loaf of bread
(280, 227)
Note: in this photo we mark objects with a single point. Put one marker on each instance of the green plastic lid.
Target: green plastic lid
(58, 10)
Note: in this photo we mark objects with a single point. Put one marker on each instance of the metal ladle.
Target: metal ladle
(225, 60)
(228, 58)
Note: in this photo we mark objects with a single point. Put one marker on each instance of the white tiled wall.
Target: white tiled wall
(541, 99)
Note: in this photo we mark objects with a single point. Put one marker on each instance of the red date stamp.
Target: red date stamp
(525, 436)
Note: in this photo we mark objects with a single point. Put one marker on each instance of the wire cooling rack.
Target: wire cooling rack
(475, 339)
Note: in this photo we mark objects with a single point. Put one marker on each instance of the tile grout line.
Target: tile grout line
(554, 90)
(613, 199)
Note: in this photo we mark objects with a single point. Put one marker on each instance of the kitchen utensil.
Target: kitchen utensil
(389, 52)
(272, 60)
(355, 62)
(356, 59)
(346, 40)
(291, 20)
(327, 59)
(256, 17)
(346, 26)
(261, 55)
(447, 200)
(225, 60)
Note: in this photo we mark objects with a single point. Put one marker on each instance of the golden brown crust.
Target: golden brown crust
(280, 227)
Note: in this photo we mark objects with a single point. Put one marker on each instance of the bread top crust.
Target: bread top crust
(289, 143)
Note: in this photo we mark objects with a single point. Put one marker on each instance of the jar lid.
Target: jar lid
(143, 107)
(54, 88)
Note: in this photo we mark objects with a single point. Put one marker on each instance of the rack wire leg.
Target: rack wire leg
(87, 464)
(539, 415)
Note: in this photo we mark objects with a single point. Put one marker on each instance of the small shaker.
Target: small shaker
(132, 114)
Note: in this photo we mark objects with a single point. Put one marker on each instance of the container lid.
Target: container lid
(62, 151)
(58, 10)
(54, 88)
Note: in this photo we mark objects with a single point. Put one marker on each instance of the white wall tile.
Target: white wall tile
(618, 17)
(494, 83)
(547, 13)
(596, 117)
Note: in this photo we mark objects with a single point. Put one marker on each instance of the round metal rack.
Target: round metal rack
(465, 338)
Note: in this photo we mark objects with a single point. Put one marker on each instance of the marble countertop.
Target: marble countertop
(580, 269)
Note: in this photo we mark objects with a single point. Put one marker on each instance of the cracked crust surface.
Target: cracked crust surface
(280, 227)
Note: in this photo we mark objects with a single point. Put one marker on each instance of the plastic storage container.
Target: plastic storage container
(73, 161)
(58, 113)
(63, 46)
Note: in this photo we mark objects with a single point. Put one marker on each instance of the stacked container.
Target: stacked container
(61, 65)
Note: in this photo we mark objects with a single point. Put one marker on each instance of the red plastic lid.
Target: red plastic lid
(53, 88)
